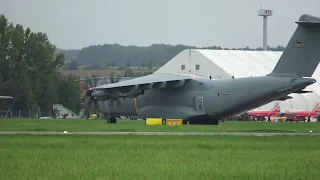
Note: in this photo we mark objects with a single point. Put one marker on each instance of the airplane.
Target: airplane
(302, 115)
(314, 113)
(198, 100)
(261, 114)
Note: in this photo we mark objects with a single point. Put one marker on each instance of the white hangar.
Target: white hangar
(222, 64)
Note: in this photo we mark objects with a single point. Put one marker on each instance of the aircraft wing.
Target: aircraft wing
(152, 81)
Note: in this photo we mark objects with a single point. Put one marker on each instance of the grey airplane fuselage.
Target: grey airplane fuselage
(219, 98)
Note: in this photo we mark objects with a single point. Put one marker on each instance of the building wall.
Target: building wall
(222, 64)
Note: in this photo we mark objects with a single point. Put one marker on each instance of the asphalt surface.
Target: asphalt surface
(158, 133)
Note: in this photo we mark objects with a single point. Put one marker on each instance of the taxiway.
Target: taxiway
(159, 133)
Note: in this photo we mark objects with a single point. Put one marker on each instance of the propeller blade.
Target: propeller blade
(93, 104)
(112, 77)
(114, 102)
(118, 103)
(87, 101)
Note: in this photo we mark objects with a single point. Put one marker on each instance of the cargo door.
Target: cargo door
(199, 104)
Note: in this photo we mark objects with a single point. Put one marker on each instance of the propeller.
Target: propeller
(89, 101)
(114, 79)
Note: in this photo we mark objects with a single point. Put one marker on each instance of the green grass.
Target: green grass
(136, 126)
(159, 157)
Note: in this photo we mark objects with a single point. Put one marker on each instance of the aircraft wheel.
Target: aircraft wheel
(108, 120)
(113, 120)
(184, 121)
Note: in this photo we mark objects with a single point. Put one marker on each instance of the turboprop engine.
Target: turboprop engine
(104, 95)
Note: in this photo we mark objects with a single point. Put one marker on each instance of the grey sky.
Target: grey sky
(73, 24)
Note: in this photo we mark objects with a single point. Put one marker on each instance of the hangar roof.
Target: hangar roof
(243, 63)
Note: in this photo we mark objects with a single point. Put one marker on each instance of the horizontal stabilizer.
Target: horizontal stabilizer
(303, 92)
(284, 98)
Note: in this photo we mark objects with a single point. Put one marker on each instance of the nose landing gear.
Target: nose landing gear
(111, 120)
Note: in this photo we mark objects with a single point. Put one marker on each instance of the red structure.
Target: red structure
(260, 115)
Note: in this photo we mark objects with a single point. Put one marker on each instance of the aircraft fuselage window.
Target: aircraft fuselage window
(183, 67)
(197, 67)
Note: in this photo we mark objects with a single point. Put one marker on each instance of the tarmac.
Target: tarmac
(159, 133)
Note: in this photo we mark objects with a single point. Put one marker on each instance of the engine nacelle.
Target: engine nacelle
(133, 94)
(102, 95)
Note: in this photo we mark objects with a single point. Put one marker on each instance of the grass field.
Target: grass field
(136, 126)
(159, 157)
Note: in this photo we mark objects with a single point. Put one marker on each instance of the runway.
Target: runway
(158, 133)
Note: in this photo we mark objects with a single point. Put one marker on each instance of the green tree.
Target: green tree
(107, 65)
(129, 73)
(71, 94)
(113, 64)
(74, 65)
(128, 64)
(143, 65)
(150, 64)
(159, 53)
(29, 70)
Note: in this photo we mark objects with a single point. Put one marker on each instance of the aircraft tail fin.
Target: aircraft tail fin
(317, 108)
(276, 107)
(302, 54)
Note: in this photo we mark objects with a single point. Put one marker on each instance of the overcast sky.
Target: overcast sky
(73, 24)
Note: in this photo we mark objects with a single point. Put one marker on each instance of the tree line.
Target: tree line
(115, 55)
(30, 71)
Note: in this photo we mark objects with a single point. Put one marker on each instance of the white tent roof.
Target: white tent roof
(240, 63)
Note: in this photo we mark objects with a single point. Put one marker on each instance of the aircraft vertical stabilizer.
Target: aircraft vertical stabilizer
(302, 54)
(317, 108)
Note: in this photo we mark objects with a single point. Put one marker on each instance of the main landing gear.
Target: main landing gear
(111, 120)
(202, 119)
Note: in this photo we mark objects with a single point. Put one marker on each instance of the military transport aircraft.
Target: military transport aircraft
(195, 99)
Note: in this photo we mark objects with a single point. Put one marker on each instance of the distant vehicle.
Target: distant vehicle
(93, 116)
(46, 117)
(199, 100)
